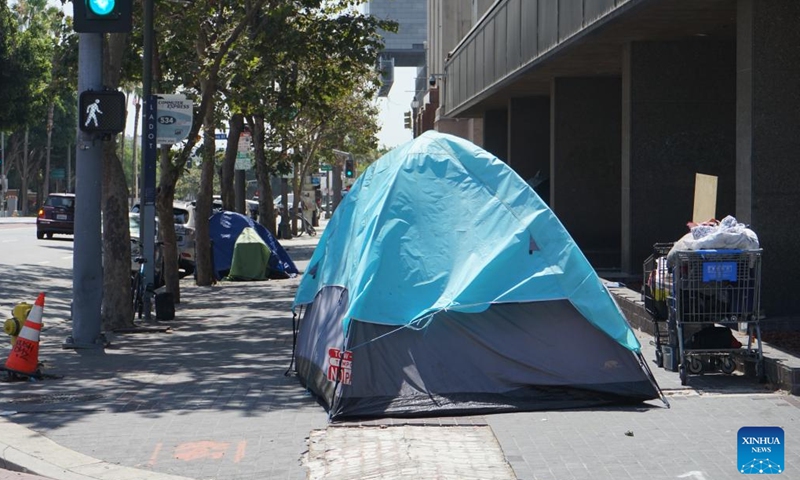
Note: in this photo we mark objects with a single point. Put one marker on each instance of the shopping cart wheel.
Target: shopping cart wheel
(682, 373)
(659, 358)
(695, 366)
(727, 365)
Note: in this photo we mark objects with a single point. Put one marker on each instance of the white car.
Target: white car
(184, 214)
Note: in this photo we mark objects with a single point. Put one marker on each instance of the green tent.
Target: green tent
(250, 257)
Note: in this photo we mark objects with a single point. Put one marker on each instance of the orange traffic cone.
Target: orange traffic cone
(24, 357)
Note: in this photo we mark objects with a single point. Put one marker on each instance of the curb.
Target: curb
(23, 450)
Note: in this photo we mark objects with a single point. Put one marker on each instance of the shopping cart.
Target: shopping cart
(656, 289)
(712, 292)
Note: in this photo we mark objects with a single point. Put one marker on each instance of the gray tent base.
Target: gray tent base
(521, 356)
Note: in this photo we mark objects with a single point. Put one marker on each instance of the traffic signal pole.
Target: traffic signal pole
(87, 271)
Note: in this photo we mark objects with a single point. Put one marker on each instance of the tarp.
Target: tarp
(250, 257)
(224, 228)
(444, 284)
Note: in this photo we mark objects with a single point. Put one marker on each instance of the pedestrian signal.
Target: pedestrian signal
(101, 16)
(349, 168)
(102, 111)
(407, 120)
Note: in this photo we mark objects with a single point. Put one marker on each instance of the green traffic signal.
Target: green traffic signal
(101, 7)
(102, 16)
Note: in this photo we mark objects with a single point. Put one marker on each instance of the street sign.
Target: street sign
(174, 118)
(325, 167)
(58, 174)
(101, 111)
(243, 154)
(243, 161)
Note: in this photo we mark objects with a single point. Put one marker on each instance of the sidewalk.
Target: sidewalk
(211, 400)
(11, 220)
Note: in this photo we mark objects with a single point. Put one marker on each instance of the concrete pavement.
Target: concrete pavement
(212, 400)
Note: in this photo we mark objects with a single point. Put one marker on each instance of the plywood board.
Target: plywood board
(705, 198)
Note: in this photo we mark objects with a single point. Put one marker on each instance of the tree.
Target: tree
(25, 60)
(302, 63)
(117, 308)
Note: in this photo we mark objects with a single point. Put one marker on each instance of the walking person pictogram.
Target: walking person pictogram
(91, 113)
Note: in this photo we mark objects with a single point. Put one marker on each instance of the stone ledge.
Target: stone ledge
(784, 377)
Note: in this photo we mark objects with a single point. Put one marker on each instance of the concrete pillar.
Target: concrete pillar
(678, 120)
(585, 164)
(476, 131)
(768, 143)
(495, 133)
(529, 140)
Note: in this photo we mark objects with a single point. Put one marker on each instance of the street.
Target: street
(32, 265)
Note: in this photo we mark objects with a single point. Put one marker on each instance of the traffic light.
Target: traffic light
(407, 120)
(101, 111)
(101, 16)
(349, 168)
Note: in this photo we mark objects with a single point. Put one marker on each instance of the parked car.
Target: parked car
(183, 215)
(278, 202)
(57, 215)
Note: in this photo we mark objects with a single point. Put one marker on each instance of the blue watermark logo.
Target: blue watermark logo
(760, 450)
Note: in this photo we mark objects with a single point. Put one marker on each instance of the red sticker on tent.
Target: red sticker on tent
(340, 366)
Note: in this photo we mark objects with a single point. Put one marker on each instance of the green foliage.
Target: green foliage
(26, 50)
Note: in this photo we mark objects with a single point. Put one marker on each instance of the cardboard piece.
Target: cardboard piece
(705, 198)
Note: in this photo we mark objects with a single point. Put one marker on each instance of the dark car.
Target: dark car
(57, 215)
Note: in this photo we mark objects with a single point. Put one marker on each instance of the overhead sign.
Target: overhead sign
(173, 118)
(102, 111)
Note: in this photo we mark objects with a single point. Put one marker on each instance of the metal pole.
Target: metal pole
(87, 272)
(3, 173)
(69, 168)
(147, 197)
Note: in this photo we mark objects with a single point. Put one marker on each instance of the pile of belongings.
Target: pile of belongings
(727, 234)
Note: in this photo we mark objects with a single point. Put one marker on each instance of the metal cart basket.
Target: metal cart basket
(712, 291)
(656, 289)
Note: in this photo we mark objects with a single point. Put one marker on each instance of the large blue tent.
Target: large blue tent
(444, 283)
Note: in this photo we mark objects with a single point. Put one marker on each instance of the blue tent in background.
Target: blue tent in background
(443, 283)
(225, 227)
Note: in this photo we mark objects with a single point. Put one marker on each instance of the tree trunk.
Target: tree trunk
(46, 182)
(236, 126)
(205, 275)
(266, 208)
(166, 226)
(117, 308)
(117, 311)
(23, 194)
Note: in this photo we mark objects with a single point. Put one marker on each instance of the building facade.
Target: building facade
(612, 107)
